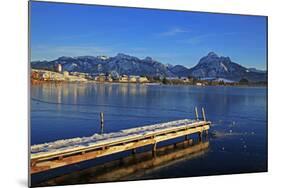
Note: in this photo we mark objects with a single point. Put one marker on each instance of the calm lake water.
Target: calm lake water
(237, 142)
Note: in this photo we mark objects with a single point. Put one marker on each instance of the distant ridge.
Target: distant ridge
(216, 66)
(209, 66)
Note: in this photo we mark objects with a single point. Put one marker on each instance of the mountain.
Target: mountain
(209, 66)
(214, 66)
(121, 63)
(179, 70)
(256, 70)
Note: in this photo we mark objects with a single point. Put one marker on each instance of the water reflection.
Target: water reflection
(75, 92)
(131, 105)
(238, 115)
(134, 165)
(223, 99)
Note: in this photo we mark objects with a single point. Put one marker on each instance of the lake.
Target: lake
(237, 142)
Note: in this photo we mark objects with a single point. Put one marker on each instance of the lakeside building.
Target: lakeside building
(133, 78)
(75, 79)
(81, 74)
(124, 78)
(200, 84)
(100, 78)
(172, 78)
(65, 73)
(109, 78)
(178, 80)
(44, 75)
(185, 79)
(143, 79)
(58, 68)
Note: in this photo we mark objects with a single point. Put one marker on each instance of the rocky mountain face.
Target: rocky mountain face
(210, 66)
(180, 71)
(213, 66)
(121, 63)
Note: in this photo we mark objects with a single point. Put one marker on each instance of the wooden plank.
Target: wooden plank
(114, 142)
(181, 133)
(74, 155)
(87, 156)
(81, 149)
(141, 162)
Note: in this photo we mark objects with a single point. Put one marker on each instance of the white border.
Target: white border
(13, 95)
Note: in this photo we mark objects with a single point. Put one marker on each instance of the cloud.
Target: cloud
(173, 32)
(71, 37)
(201, 38)
(50, 52)
(198, 39)
(76, 50)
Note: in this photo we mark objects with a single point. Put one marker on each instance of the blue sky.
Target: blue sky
(172, 37)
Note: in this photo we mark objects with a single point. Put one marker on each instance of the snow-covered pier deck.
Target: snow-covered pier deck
(61, 153)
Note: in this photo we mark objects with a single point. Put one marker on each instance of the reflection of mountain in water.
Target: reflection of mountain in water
(133, 166)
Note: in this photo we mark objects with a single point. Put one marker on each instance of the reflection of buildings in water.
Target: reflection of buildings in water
(109, 89)
(47, 91)
(137, 89)
(132, 89)
(142, 89)
(75, 93)
(70, 92)
(123, 89)
(60, 93)
(133, 166)
(100, 89)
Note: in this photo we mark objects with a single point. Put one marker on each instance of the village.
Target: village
(60, 75)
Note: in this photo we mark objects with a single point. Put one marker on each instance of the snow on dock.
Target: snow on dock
(69, 151)
(99, 138)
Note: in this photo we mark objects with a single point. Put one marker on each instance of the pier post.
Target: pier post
(101, 122)
(200, 136)
(185, 137)
(196, 113)
(134, 151)
(154, 149)
(203, 114)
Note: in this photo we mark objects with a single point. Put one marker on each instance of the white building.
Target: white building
(59, 68)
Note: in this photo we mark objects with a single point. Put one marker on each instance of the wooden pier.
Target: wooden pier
(47, 160)
(133, 165)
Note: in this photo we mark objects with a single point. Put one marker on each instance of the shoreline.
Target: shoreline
(39, 76)
(39, 82)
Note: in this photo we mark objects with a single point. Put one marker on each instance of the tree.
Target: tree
(243, 81)
(165, 81)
